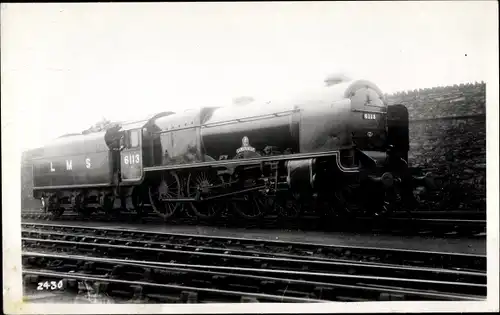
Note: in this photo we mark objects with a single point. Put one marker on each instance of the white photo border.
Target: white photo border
(13, 133)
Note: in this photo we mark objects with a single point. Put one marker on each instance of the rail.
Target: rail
(458, 275)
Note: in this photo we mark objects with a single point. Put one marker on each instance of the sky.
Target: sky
(66, 66)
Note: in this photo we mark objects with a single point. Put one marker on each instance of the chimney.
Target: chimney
(336, 78)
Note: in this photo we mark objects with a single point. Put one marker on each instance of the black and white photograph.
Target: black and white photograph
(256, 157)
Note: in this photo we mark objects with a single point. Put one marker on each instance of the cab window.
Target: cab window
(134, 138)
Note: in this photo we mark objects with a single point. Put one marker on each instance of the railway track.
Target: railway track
(458, 224)
(239, 269)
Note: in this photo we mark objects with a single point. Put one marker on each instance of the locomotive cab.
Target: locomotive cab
(131, 156)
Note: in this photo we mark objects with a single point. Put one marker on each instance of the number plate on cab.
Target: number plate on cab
(369, 116)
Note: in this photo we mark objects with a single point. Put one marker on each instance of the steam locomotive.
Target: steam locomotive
(336, 149)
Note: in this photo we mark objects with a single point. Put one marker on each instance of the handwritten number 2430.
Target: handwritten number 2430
(50, 285)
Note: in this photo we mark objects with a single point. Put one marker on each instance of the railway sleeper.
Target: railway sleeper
(277, 264)
(200, 243)
(91, 289)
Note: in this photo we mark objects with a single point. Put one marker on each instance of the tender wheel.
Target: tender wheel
(56, 213)
(85, 212)
(53, 207)
(76, 202)
(79, 206)
(138, 201)
(108, 203)
(203, 183)
(168, 188)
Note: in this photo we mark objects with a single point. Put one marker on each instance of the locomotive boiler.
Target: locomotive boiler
(334, 149)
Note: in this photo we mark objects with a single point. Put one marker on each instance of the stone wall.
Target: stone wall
(457, 100)
(448, 137)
